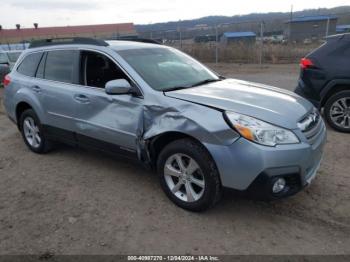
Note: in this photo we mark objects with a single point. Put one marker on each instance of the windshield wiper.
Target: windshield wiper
(176, 88)
(206, 81)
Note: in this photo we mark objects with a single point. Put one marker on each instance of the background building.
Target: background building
(236, 37)
(106, 31)
(204, 38)
(343, 29)
(310, 27)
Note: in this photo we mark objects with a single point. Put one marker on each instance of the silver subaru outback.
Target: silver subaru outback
(199, 131)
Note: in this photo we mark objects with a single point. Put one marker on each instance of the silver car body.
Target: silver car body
(132, 122)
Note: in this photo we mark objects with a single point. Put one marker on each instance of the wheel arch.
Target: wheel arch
(25, 99)
(335, 86)
(158, 142)
(24, 104)
(20, 108)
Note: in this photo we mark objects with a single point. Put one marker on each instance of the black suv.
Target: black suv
(325, 80)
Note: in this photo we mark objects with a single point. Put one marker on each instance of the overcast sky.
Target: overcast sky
(79, 12)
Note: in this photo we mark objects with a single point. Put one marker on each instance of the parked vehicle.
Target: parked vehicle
(150, 102)
(7, 61)
(325, 80)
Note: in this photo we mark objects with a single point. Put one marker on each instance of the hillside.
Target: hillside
(275, 20)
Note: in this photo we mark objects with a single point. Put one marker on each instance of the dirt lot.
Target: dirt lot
(77, 202)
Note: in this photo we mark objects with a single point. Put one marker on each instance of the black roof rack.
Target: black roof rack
(67, 41)
(136, 39)
(146, 40)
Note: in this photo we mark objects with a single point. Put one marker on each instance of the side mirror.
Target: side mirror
(118, 87)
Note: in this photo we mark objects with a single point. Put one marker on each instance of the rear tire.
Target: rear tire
(33, 133)
(188, 175)
(337, 111)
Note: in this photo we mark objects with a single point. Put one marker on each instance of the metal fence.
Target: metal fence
(9, 47)
(269, 46)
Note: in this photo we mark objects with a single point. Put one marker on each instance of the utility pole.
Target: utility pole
(150, 32)
(327, 27)
(180, 38)
(290, 22)
(180, 34)
(261, 43)
(216, 45)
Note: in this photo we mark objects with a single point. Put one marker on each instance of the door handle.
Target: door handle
(36, 89)
(81, 98)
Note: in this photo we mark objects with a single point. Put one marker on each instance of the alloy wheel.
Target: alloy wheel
(340, 112)
(184, 177)
(31, 132)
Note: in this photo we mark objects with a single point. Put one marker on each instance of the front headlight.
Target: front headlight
(261, 132)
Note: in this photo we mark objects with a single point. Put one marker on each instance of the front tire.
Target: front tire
(188, 175)
(33, 133)
(337, 111)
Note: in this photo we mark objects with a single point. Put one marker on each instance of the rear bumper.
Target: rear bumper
(9, 105)
(303, 91)
(247, 166)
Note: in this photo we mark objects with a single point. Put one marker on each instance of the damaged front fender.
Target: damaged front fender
(205, 124)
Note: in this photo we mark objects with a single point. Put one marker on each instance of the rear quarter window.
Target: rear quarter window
(29, 64)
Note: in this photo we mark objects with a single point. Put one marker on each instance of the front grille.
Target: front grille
(312, 126)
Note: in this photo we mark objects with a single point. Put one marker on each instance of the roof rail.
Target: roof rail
(137, 39)
(67, 41)
(145, 40)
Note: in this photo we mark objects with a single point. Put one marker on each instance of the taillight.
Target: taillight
(306, 63)
(7, 80)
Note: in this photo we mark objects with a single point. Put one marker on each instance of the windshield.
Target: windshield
(167, 69)
(13, 56)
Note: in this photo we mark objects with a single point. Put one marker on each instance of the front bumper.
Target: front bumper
(248, 166)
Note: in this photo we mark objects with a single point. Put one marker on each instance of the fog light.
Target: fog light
(279, 185)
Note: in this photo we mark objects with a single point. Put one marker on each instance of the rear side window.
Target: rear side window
(30, 64)
(60, 65)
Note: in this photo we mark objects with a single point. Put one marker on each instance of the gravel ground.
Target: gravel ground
(73, 201)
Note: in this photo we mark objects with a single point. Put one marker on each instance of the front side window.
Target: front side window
(97, 70)
(165, 69)
(60, 65)
(30, 64)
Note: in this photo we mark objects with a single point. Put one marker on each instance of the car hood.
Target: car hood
(271, 104)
